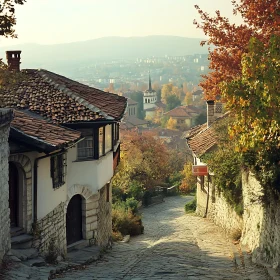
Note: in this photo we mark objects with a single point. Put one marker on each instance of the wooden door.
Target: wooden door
(13, 194)
(74, 220)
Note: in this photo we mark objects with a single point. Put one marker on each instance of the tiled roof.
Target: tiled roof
(131, 102)
(183, 111)
(202, 138)
(203, 141)
(42, 131)
(132, 121)
(62, 100)
(195, 130)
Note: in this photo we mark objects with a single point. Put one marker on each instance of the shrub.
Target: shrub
(125, 222)
(53, 252)
(190, 207)
(132, 204)
(135, 190)
(188, 183)
(117, 236)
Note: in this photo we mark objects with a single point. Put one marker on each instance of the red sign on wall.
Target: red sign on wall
(199, 170)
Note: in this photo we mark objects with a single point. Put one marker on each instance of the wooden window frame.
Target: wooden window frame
(86, 148)
(58, 168)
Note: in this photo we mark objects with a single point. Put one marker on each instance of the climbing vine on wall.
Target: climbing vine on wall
(225, 162)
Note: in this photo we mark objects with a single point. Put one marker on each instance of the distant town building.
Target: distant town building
(149, 97)
(184, 116)
(197, 95)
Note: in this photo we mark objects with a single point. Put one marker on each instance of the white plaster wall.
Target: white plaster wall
(48, 197)
(92, 173)
(150, 114)
(149, 105)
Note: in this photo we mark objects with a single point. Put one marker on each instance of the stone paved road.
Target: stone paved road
(174, 246)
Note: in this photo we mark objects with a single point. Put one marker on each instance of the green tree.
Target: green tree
(254, 102)
(172, 101)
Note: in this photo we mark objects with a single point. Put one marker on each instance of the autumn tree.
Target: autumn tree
(261, 19)
(254, 102)
(171, 124)
(145, 159)
(7, 17)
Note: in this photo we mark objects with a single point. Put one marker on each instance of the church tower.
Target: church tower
(149, 97)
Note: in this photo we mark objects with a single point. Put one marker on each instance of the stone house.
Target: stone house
(184, 116)
(64, 144)
(5, 240)
(259, 225)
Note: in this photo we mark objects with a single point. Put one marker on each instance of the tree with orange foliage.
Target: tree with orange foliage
(261, 20)
(145, 159)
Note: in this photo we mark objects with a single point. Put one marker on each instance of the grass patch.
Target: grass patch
(190, 207)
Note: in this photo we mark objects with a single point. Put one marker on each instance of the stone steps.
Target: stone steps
(25, 254)
(23, 241)
(77, 245)
(15, 231)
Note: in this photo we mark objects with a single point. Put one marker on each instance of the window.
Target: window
(108, 138)
(58, 170)
(116, 133)
(101, 141)
(85, 148)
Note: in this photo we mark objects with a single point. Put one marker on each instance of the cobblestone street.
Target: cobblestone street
(175, 245)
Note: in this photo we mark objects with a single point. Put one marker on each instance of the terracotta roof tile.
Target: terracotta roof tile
(42, 130)
(183, 111)
(62, 100)
(203, 141)
(203, 138)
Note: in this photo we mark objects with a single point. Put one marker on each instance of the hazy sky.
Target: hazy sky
(60, 21)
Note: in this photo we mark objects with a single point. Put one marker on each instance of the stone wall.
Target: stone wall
(96, 220)
(5, 242)
(260, 223)
(52, 228)
(261, 231)
(218, 209)
(104, 216)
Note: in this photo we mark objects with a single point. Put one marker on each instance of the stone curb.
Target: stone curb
(271, 272)
(67, 266)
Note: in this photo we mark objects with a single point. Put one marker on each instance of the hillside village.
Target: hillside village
(162, 179)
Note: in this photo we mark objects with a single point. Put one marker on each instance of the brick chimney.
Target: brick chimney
(210, 112)
(214, 111)
(13, 60)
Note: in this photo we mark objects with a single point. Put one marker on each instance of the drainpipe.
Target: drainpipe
(207, 201)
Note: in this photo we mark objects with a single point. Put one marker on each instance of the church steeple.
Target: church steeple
(150, 83)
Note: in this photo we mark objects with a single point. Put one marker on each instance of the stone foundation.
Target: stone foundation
(260, 223)
(261, 231)
(52, 228)
(5, 240)
(96, 221)
(218, 209)
(104, 221)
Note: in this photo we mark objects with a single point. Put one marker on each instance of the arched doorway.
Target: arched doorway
(14, 194)
(74, 220)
